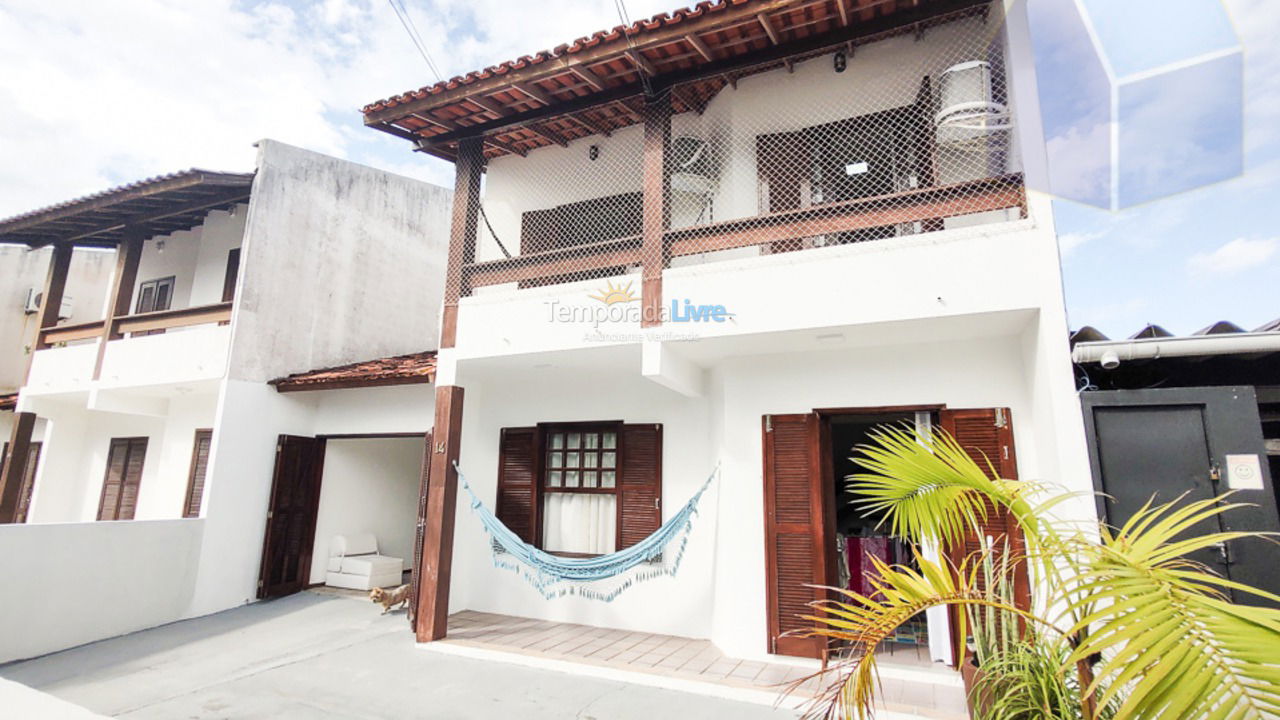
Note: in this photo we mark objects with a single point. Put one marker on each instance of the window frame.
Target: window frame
(131, 444)
(542, 471)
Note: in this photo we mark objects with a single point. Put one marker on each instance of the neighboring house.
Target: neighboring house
(741, 236)
(161, 414)
(1195, 415)
(24, 271)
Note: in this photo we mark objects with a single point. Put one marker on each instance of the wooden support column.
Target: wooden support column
(462, 233)
(15, 465)
(54, 286)
(653, 226)
(437, 536)
(121, 294)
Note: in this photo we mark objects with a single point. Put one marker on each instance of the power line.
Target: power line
(626, 25)
(412, 30)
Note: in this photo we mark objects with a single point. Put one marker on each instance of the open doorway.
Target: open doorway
(343, 513)
(857, 536)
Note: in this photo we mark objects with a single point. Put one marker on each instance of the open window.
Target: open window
(581, 488)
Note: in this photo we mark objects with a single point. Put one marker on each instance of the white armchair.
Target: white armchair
(354, 563)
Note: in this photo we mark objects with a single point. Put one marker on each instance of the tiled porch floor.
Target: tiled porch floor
(692, 659)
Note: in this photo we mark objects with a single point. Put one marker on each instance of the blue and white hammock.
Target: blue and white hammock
(602, 577)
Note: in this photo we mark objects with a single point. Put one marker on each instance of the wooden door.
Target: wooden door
(794, 509)
(986, 435)
(28, 479)
(424, 483)
(195, 477)
(291, 516)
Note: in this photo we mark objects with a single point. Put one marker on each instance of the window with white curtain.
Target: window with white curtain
(579, 489)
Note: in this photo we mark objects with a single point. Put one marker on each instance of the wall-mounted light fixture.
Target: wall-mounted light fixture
(593, 152)
(840, 61)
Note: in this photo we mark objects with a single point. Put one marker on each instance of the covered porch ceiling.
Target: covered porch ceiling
(155, 206)
(598, 84)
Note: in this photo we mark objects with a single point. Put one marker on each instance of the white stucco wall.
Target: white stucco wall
(73, 459)
(196, 258)
(341, 263)
(20, 270)
(369, 485)
(67, 585)
(964, 361)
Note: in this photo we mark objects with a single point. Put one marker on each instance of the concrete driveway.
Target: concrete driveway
(316, 655)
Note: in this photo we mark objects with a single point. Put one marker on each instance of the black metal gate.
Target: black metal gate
(1162, 444)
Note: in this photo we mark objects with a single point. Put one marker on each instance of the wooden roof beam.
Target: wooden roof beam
(844, 13)
(548, 134)
(590, 124)
(769, 29)
(144, 218)
(697, 44)
(591, 78)
(536, 93)
(642, 63)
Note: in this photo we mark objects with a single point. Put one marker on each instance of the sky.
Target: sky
(96, 94)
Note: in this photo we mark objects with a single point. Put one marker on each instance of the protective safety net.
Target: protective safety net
(902, 133)
(602, 577)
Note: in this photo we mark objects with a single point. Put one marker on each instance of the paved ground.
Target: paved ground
(329, 656)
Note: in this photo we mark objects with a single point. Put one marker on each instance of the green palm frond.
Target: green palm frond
(927, 487)
(1172, 644)
(864, 621)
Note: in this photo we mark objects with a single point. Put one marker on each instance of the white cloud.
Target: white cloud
(95, 94)
(1235, 256)
(1069, 242)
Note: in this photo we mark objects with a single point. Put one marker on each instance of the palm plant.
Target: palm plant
(1121, 620)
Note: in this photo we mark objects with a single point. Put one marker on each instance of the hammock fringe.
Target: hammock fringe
(553, 576)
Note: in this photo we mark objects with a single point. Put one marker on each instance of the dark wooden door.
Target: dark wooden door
(28, 479)
(291, 516)
(1195, 444)
(424, 483)
(794, 509)
(986, 434)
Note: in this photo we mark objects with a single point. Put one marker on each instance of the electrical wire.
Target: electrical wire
(626, 26)
(412, 30)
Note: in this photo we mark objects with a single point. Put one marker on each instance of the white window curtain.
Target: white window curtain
(579, 523)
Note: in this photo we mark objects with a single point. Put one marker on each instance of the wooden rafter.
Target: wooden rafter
(844, 13)
(590, 77)
(535, 92)
(642, 63)
(703, 49)
(769, 29)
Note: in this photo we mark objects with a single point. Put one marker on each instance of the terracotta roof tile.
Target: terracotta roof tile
(397, 370)
(615, 34)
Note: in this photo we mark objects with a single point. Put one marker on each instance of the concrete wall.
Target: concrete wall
(20, 270)
(67, 585)
(341, 262)
(369, 486)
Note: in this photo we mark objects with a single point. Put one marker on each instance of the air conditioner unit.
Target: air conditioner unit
(693, 168)
(969, 116)
(32, 305)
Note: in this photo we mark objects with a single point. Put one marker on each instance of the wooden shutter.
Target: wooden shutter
(232, 274)
(640, 484)
(119, 499)
(793, 530)
(28, 481)
(986, 434)
(516, 507)
(195, 479)
(424, 484)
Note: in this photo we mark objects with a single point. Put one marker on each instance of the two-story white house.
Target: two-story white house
(157, 426)
(739, 236)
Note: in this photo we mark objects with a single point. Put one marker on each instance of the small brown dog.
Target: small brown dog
(390, 598)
